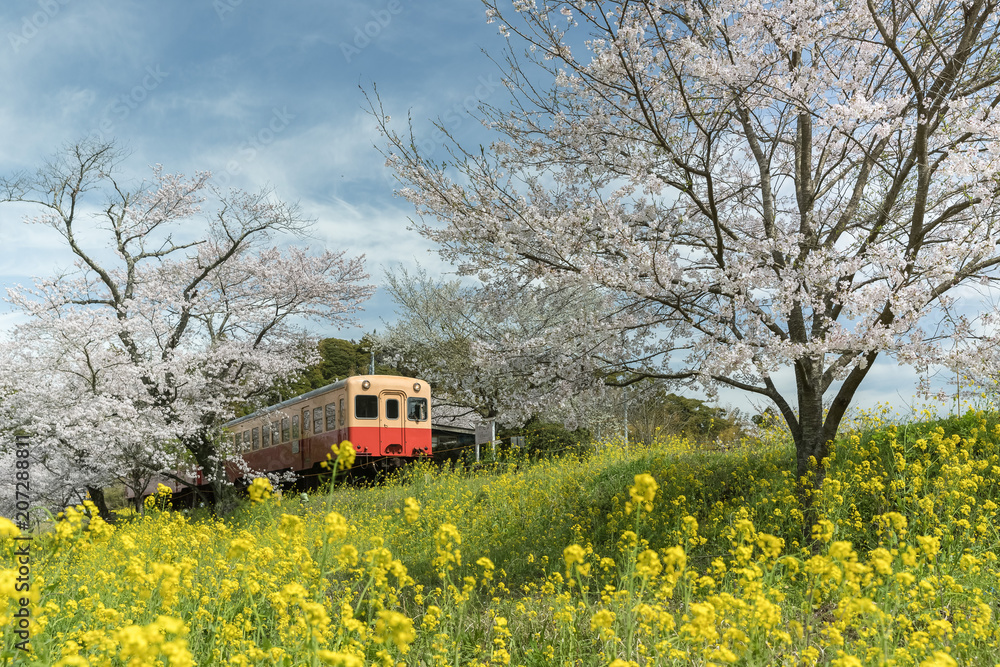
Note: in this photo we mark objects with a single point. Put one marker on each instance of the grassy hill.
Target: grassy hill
(661, 555)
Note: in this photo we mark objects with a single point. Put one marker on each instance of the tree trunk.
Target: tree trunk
(97, 497)
(138, 487)
(811, 447)
(813, 431)
(213, 469)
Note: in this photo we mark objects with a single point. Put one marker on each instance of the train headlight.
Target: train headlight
(365, 385)
(416, 387)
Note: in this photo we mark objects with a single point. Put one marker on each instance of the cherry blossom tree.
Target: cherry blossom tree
(794, 184)
(492, 354)
(66, 387)
(174, 313)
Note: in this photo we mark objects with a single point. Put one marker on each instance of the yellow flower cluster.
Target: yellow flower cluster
(7, 528)
(343, 455)
(644, 491)
(704, 559)
(159, 500)
(260, 489)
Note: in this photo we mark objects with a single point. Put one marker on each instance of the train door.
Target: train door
(307, 450)
(390, 422)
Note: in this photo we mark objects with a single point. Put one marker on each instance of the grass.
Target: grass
(659, 555)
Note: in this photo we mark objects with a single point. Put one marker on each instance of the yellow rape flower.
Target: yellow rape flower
(929, 545)
(316, 615)
(675, 560)
(487, 566)
(644, 491)
(602, 619)
(432, 618)
(822, 531)
(412, 510)
(290, 525)
(336, 526)
(7, 528)
(939, 659)
(842, 551)
(701, 622)
(348, 556)
(144, 643)
(689, 525)
(397, 627)
(574, 553)
(73, 661)
(346, 455)
(238, 547)
(260, 489)
(158, 500)
(770, 545)
(339, 659)
(648, 564)
(447, 540)
(896, 520)
(846, 661)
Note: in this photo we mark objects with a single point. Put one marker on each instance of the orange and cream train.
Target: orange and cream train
(385, 417)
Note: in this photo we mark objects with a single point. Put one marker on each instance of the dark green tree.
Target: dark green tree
(340, 358)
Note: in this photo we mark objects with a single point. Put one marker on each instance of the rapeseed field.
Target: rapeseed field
(658, 555)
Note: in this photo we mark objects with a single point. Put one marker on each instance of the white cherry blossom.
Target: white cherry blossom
(753, 186)
(131, 359)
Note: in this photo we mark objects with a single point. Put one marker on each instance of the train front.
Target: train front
(389, 418)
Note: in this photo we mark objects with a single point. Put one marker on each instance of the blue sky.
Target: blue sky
(260, 93)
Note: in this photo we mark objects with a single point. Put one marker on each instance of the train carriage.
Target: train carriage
(385, 417)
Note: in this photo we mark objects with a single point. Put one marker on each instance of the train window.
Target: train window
(285, 431)
(331, 416)
(246, 441)
(366, 407)
(306, 421)
(416, 409)
(317, 420)
(341, 412)
(275, 439)
(295, 427)
(392, 408)
(237, 441)
(256, 438)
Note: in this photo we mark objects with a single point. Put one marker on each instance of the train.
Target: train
(386, 417)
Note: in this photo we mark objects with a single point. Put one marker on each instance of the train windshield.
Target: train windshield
(366, 407)
(416, 409)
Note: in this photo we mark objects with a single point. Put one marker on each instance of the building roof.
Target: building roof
(454, 418)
